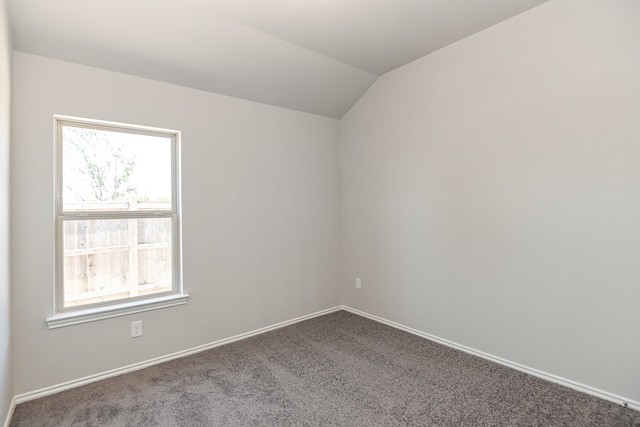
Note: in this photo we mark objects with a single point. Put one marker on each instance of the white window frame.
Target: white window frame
(65, 316)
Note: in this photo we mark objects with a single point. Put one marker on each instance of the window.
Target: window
(117, 220)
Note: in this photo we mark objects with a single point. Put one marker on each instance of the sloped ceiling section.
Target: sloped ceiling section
(317, 56)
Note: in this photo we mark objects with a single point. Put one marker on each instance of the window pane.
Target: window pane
(107, 170)
(106, 260)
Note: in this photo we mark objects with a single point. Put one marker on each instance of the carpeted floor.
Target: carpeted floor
(335, 370)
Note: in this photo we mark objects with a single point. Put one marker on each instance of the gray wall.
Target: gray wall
(6, 372)
(260, 217)
(490, 193)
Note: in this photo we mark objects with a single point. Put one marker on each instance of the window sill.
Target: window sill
(61, 320)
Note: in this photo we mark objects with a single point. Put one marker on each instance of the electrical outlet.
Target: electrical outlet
(136, 329)
(358, 283)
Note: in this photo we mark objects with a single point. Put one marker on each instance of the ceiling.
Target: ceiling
(317, 56)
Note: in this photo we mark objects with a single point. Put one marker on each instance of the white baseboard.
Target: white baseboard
(12, 408)
(513, 365)
(25, 397)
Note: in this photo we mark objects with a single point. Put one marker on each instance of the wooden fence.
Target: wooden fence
(107, 259)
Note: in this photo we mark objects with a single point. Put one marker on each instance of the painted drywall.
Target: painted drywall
(260, 217)
(489, 193)
(6, 369)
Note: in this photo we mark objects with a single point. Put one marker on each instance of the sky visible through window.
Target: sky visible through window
(101, 166)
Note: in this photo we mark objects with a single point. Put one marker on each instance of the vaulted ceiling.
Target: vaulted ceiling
(317, 56)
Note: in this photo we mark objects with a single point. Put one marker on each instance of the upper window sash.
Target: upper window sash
(119, 208)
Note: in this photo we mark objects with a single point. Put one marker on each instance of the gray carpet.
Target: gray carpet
(335, 370)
